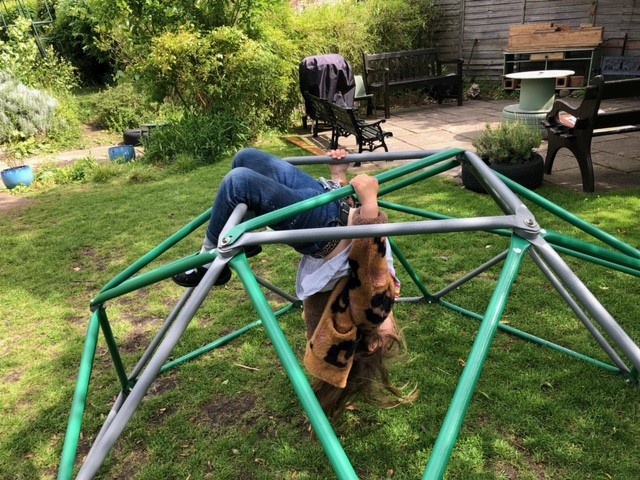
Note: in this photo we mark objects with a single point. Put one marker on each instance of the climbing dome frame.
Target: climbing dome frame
(527, 238)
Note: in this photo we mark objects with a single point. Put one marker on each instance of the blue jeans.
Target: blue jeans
(266, 183)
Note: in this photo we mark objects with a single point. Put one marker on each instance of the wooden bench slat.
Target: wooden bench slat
(617, 118)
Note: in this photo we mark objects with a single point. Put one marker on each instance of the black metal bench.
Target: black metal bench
(574, 127)
(344, 122)
(319, 113)
(620, 66)
(423, 68)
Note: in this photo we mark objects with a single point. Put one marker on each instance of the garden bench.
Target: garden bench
(423, 68)
(620, 66)
(574, 128)
(319, 112)
(344, 122)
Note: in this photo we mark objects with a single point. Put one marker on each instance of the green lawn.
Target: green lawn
(232, 414)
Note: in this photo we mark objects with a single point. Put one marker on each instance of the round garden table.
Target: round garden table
(537, 94)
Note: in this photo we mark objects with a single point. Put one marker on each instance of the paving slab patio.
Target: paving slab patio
(616, 158)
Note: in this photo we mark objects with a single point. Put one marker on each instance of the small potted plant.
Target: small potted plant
(16, 174)
(509, 149)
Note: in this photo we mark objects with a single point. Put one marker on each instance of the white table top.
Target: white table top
(540, 74)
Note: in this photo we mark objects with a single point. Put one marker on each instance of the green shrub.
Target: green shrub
(121, 107)
(21, 57)
(334, 28)
(184, 163)
(350, 28)
(103, 172)
(74, 33)
(204, 137)
(507, 143)
(24, 112)
(221, 70)
(81, 170)
(401, 24)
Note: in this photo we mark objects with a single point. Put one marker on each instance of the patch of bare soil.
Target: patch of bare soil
(226, 411)
(95, 137)
(12, 203)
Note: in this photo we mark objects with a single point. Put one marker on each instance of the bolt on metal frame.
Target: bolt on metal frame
(517, 223)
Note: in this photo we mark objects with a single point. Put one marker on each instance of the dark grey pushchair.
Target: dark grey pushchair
(328, 77)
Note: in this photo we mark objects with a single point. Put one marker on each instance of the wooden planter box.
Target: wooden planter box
(541, 36)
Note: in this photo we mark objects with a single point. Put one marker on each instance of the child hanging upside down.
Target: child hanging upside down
(348, 287)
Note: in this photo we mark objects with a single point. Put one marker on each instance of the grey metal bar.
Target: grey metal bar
(592, 305)
(474, 273)
(385, 229)
(613, 355)
(144, 358)
(363, 157)
(276, 290)
(100, 449)
(160, 335)
(503, 196)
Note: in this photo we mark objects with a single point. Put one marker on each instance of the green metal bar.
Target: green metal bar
(220, 342)
(72, 436)
(113, 349)
(332, 447)
(592, 251)
(533, 339)
(159, 250)
(410, 271)
(432, 172)
(597, 261)
(434, 216)
(209, 347)
(571, 218)
(153, 276)
(445, 442)
(306, 205)
(561, 243)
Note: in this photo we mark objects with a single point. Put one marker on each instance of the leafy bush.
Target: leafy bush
(24, 112)
(205, 138)
(401, 24)
(120, 107)
(81, 170)
(350, 28)
(507, 143)
(87, 170)
(21, 57)
(222, 70)
(334, 28)
(74, 33)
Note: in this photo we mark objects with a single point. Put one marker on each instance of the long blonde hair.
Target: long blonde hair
(369, 376)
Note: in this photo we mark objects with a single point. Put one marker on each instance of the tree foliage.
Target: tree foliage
(239, 56)
(233, 60)
(21, 58)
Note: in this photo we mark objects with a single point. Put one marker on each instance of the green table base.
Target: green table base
(514, 113)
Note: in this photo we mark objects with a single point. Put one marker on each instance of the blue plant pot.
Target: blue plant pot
(12, 177)
(125, 153)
